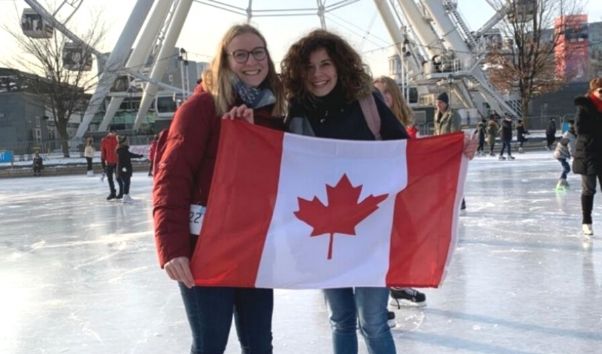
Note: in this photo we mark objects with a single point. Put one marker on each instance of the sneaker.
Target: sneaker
(111, 196)
(403, 296)
(587, 229)
(127, 199)
(391, 319)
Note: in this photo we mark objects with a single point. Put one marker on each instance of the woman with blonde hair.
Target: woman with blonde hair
(394, 99)
(241, 83)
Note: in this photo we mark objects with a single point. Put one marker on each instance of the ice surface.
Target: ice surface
(79, 274)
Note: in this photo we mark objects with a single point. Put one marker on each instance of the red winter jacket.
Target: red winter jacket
(183, 174)
(108, 150)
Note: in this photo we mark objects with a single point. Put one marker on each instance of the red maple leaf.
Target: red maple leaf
(343, 212)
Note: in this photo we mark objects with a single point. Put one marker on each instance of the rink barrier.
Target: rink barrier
(64, 170)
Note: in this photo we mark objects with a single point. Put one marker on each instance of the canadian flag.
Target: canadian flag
(288, 211)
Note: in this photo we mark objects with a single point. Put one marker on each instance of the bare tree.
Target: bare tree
(526, 63)
(66, 68)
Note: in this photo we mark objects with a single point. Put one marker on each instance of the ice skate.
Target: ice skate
(407, 297)
(587, 230)
(501, 157)
(127, 199)
(521, 150)
(510, 157)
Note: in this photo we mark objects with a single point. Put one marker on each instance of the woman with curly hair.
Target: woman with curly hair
(325, 80)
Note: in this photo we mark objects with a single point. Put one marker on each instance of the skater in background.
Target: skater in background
(492, 131)
(394, 100)
(506, 131)
(124, 167)
(565, 148)
(38, 164)
(241, 75)
(446, 120)
(108, 160)
(151, 153)
(521, 131)
(551, 133)
(482, 131)
(587, 159)
(89, 152)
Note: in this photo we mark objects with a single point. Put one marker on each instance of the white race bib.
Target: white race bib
(195, 218)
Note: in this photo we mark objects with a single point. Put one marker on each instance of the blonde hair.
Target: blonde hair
(218, 78)
(595, 84)
(399, 107)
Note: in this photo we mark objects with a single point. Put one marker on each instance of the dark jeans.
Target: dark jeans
(110, 170)
(506, 144)
(588, 189)
(210, 309)
(566, 168)
(125, 182)
(550, 138)
(89, 163)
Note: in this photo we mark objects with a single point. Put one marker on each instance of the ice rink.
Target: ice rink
(79, 274)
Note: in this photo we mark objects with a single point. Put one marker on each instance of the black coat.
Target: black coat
(587, 159)
(124, 161)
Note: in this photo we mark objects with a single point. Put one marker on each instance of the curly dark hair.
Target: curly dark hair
(352, 74)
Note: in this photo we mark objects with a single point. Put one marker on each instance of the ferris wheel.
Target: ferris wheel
(434, 45)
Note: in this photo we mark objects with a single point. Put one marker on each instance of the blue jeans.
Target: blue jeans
(369, 306)
(210, 309)
(565, 168)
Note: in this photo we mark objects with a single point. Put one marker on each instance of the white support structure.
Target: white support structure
(115, 62)
(141, 53)
(160, 65)
(425, 29)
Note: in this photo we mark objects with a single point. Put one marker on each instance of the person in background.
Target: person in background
(124, 166)
(446, 119)
(151, 153)
(492, 131)
(240, 83)
(506, 137)
(108, 160)
(38, 164)
(521, 131)
(587, 159)
(89, 152)
(564, 150)
(394, 100)
(482, 133)
(550, 133)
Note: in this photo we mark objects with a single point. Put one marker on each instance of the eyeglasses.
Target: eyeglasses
(241, 56)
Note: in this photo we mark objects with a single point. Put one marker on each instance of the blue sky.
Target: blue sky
(358, 22)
